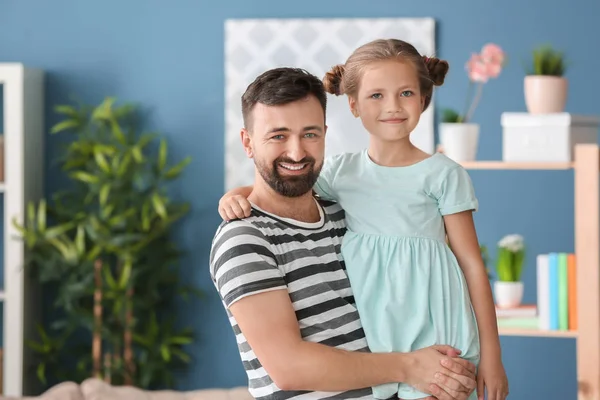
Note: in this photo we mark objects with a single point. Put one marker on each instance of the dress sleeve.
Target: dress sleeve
(242, 264)
(325, 185)
(456, 192)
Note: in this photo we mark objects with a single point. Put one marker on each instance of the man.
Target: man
(280, 273)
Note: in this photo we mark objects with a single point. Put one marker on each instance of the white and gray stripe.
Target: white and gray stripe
(264, 252)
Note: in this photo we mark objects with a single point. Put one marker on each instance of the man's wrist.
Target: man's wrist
(401, 365)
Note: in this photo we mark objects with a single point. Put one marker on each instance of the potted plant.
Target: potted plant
(459, 137)
(545, 86)
(508, 289)
(104, 248)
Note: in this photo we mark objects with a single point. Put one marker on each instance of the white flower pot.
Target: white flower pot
(508, 294)
(459, 140)
(545, 94)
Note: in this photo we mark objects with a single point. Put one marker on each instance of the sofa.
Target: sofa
(96, 389)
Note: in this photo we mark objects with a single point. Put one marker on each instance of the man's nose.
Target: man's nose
(296, 150)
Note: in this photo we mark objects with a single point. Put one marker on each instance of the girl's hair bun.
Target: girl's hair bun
(437, 69)
(333, 80)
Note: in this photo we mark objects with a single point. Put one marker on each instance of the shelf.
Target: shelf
(536, 333)
(503, 165)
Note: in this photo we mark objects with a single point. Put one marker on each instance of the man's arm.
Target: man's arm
(268, 322)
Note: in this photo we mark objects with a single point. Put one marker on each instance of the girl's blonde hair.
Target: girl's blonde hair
(345, 79)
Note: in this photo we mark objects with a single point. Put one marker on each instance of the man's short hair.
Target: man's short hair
(281, 86)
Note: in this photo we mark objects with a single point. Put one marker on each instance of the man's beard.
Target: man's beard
(290, 186)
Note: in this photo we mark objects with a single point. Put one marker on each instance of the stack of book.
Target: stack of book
(524, 316)
(556, 286)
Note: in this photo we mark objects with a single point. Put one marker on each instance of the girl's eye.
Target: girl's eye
(407, 93)
(376, 96)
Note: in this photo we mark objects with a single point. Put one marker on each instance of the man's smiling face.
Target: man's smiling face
(287, 143)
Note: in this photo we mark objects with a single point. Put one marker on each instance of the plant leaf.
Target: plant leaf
(101, 161)
(174, 171)
(137, 154)
(104, 192)
(159, 206)
(41, 372)
(84, 177)
(80, 240)
(162, 155)
(165, 352)
(67, 110)
(41, 216)
(125, 274)
(64, 125)
(110, 281)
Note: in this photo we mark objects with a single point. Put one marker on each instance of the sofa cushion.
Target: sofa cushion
(96, 389)
(62, 391)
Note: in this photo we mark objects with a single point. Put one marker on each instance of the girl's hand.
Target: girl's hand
(491, 376)
(234, 207)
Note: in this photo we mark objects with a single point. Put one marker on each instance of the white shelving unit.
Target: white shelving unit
(586, 191)
(24, 131)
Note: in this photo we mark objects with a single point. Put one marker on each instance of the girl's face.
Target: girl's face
(389, 100)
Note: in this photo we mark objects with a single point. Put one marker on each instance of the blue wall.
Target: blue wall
(170, 58)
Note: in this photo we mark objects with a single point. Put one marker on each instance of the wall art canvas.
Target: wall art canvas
(255, 45)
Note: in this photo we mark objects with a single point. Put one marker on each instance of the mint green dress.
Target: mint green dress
(409, 289)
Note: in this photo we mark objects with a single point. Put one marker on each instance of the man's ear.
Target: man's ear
(247, 142)
(352, 104)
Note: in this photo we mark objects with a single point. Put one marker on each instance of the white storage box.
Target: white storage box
(545, 137)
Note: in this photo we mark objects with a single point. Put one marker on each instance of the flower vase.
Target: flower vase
(508, 294)
(459, 140)
(545, 94)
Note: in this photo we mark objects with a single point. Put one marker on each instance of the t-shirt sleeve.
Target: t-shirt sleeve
(241, 263)
(325, 187)
(456, 193)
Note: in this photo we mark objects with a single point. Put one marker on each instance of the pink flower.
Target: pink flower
(492, 53)
(480, 68)
(488, 64)
(477, 69)
(493, 57)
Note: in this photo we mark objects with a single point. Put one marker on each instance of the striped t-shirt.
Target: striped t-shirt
(264, 252)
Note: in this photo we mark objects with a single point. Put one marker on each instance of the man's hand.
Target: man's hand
(438, 370)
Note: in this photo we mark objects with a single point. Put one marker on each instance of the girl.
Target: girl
(411, 290)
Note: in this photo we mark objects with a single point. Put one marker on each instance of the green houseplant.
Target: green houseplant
(547, 61)
(103, 249)
(508, 289)
(545, 86)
